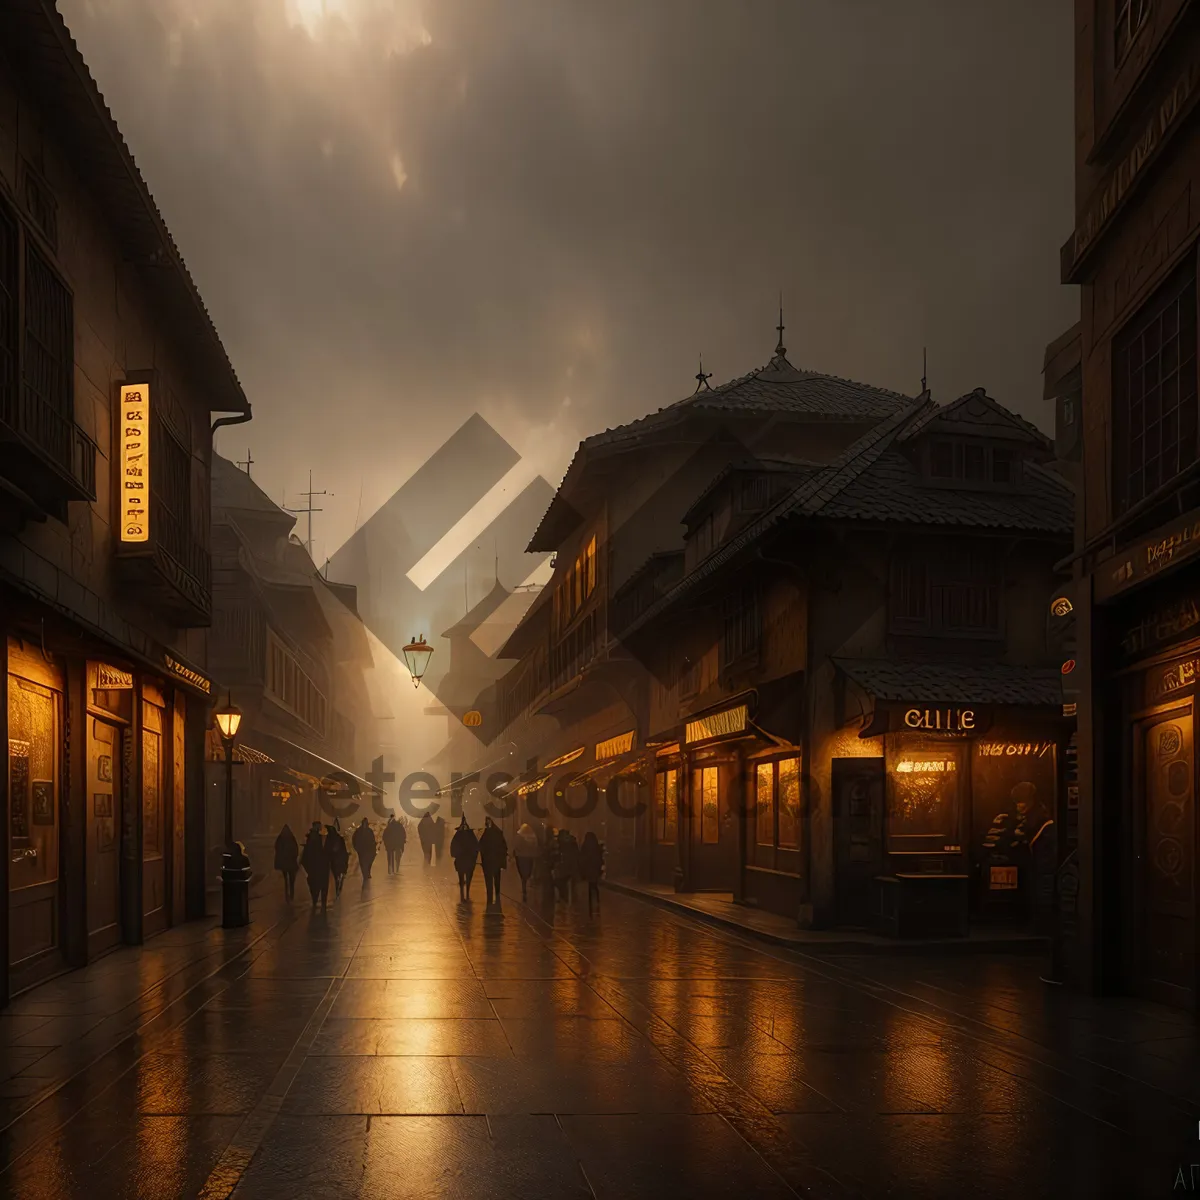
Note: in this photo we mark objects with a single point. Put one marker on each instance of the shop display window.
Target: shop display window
(1013, 800)
(705, 798)
(924, 795)
(777, 803)
(34, 715)
(666, 805)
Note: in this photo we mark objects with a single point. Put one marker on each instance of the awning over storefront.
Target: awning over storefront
(214, 751)
(944, 697)
(314, 767)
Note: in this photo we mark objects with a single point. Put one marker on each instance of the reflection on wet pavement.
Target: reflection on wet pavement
(404, 1044)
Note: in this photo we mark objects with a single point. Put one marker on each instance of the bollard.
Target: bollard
(235, 887)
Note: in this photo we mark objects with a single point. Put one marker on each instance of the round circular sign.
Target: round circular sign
(1068, 666)
(472, 718)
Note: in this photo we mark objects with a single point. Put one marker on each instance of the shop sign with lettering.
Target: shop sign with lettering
(1003, 879)
(722, 724)
(1168, 547)
(1015, 749)
(615, 746)
(188, 674)
(1171, 679)
(940, 720)
(134, 440)
(112, 678)
(1169, 623)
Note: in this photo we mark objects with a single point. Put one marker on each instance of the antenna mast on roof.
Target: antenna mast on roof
(780, 348)
(924, 369)
(248, 462)
(309, 510)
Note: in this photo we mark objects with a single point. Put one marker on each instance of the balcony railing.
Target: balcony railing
(56, 460)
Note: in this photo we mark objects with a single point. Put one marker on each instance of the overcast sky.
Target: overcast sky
(404, 211)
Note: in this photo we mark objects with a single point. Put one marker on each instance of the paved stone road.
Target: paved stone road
(406, 1045)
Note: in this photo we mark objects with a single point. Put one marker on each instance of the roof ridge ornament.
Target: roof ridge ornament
(780, 348)
(702, 378)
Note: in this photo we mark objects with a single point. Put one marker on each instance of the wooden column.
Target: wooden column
(73, 857)
(4, 810)
(195, 830)
(131, 823)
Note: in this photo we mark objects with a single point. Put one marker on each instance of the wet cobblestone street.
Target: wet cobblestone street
(404, 1044)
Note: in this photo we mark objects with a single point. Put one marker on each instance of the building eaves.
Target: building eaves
(41, 49)
(949, 682)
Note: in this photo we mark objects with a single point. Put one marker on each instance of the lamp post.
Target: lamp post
(228, 718)
(416, 658)
(235, 868)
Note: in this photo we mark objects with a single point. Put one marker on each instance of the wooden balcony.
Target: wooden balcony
(44, 456)
(173, 573)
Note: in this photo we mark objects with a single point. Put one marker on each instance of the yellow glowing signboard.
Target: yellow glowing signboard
(937, 766)
(134, 441)
(615, 746)
(722, 724)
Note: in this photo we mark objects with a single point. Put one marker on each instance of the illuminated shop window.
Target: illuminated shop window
(33, 779)
(924, 801)
(666, 805)
(152, 789)
(705, 797)
(777, 803)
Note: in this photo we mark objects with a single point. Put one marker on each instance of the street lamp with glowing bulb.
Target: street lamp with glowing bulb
(228, 718)
(416, 658)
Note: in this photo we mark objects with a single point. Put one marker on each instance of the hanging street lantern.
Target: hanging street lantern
(416, 658)
(228, 718)
(235, 866)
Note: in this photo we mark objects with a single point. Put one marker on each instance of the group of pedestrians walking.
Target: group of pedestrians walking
(556, 855)
(325, 857)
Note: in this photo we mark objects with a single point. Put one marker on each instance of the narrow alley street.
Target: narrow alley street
(406, 1045)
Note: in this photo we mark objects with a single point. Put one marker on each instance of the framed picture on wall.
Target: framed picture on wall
(104, 768)
(43, 801)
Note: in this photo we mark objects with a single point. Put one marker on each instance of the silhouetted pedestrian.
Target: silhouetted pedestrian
(439, 839)
(591, 867)
(525, 851)
(339, 857)
(464, 849)
(315, 861)
(493, 857)
(365, 847)
(567, 868)
(426, 834)
(287, 860)
(549, 866)
(391, 844)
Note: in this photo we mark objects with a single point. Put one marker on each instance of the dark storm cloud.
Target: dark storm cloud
(543, 209)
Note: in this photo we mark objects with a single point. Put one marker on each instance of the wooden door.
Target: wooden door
(714, 838)
(154, 873)
(858, 813)
(1168, 861)
(34, 764)
(103, 853)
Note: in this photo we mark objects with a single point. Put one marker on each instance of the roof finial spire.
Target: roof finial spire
(780, 348)
(702, 378)
(924, 369)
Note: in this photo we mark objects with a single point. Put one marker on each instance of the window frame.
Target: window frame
(772, 768)
(666, 806)
(941, 580)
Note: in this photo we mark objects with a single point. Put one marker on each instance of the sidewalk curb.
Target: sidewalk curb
(1021, 944)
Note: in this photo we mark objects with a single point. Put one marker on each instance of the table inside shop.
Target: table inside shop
(922, 904)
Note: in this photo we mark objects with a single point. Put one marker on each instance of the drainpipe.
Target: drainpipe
(237, 419)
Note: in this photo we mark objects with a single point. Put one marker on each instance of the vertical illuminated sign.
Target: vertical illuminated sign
(135, 462)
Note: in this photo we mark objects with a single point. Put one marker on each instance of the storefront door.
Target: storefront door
(858, 797)
(103, 853)
(154, 873)
(714, 838)
(35, 780)
(1167, 925)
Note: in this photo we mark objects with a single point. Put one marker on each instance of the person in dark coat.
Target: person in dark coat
(315, 861)
(425, 832)
(493, 857)
(401, 841)
(439, 839)
(591, 866)
(390, 844)
(339, 857)
(548, 866)
(365, 847)
(464, 849)
(287, 860)
(566, 870)
(526, 851)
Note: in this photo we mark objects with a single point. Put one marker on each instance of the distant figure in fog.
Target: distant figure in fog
(339, 857)
(439, 838)
(591, 867)
(493, 857)
(365, 848)
(393, 843)
(567, 869)
(525, 851)
(426, 834)
(464, 849)
(315, 861)
(549, 865)
(287, 860)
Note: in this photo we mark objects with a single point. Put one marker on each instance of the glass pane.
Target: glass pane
(672, 806)
(151, 793)
(789, 803)
(710, 817)
(765, 786)
(923, 797)
(33, 782)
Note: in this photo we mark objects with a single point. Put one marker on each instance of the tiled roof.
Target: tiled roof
(54, 71)
(953, 682)
(977, 409)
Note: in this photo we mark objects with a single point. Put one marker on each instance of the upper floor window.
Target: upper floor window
(972, 462)
(954, 592)
(741, 629)
(753, 493)
(1155, 434)
(1131, 18)
(576, 586)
